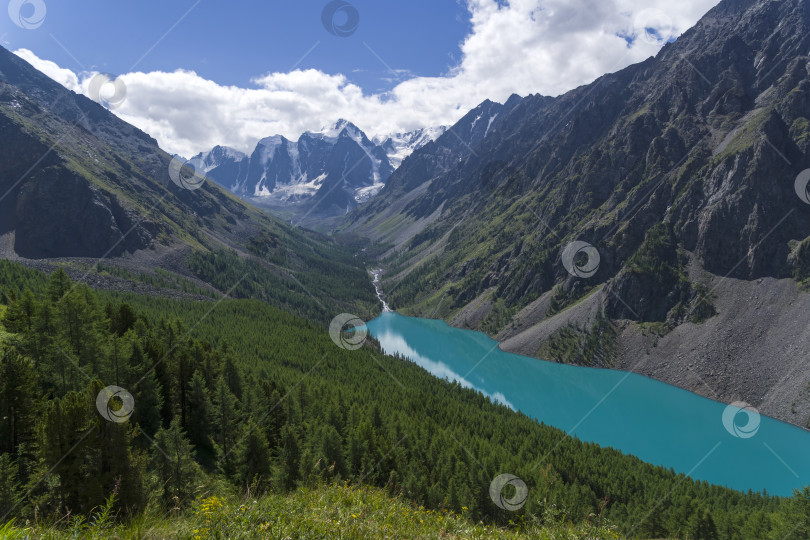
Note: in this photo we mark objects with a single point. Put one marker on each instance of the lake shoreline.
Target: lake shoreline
(601, 405)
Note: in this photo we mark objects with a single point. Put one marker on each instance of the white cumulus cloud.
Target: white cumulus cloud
(63, 76)
(523, 47)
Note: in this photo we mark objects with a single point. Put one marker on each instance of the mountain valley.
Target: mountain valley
(205, 347)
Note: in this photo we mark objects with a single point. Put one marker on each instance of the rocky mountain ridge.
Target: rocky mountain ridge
(670, 177)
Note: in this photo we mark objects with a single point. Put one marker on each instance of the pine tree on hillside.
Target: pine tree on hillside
(18, 401)
(331, 453)
(232, 376)
(173, 461)
(82, 322)
(253, 456)
(58, 285)
(225, 424)
(289, 458)
(793, 521)
(19, 316)
(9, 485)
(702, 526)
(198, 425)
(86, 455)
(40, 343)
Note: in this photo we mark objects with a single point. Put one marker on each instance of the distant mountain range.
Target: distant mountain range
(319, 176)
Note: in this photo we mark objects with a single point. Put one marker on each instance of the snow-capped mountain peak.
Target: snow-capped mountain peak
(339, 163)
(337, 128)
(398, 146)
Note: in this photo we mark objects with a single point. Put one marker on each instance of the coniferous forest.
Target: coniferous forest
(248, 411)
(190, 250)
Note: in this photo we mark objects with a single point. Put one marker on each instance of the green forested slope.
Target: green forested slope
(237, 393)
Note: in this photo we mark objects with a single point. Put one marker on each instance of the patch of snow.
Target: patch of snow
(489, 125)
(261, 190)
(299, 191)
(477, 118)
(333, 132)
(365, 193)
(398, 146)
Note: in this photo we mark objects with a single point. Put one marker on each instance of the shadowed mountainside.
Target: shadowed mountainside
(679, 171)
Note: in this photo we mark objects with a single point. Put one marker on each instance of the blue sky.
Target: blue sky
(204, 73)
(233, 44)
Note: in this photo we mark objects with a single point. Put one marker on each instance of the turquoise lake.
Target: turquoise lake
(659, 423)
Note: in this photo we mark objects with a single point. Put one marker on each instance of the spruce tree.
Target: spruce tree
(122, 319)
(331, 452)
(225, 420)
(58, 285)
(794, 517)
(19, 315)
(289, 458)
(18, 402)
(253, 456)
(702, 526)
(232, 376)
(147, 393)
(10, 492)
(64, 428)
(40, 342)
(173, 462)
(198, 424)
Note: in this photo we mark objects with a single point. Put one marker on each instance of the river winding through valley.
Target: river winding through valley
(376, 276)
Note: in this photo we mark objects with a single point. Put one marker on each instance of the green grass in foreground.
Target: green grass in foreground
(333, 511)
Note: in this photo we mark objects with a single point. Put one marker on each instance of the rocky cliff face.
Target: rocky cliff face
(688, 157)
(47, 205)
(82, 221)
(428, 162)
